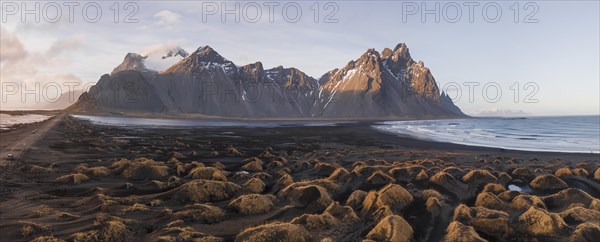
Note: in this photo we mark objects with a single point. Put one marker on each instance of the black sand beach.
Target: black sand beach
(83, 182)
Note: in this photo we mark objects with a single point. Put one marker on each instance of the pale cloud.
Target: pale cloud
(65, 45)
(12, 48)
(160, 48)
(161, 56)
(167, 19)
(34, 70)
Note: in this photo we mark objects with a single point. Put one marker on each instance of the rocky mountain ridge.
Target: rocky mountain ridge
(375, 85)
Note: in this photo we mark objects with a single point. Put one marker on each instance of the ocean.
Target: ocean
(580, 134)
(7, 120)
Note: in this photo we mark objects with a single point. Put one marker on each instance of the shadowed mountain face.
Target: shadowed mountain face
(386, 85)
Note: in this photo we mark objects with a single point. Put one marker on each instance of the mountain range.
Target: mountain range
(386, 85)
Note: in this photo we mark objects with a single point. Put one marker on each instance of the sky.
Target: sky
(540, 58)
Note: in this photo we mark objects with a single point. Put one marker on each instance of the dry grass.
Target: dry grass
(394, 196)
(457, 231)
(205, 191)
(252, 166)
(580, 215)
(47, 239)
(485, 220)
(120, 165)
(567, 197)
(356, 198)
(254, 185)
(537, 221)
(427, 193)
(523, 202)
(203, 213)
(170, 183)
(76, 178)
(219, 165)
(177, 234)
(406, 173)
(548, 182)
(42, 210)
(491, 201)
(98, 171)
(284, 232)
(253, 203)
(140, 169)
(380, 178)
(110, 231)
(30, 228)
(345, 213)
(156, 203)
(565, 171)
(325, 169)
(35, 169)
(207, 173)
(311, 197)
(324, 183)
(340, 174)
(494, 188)
(312, 222)
(285, 180)
(585, 232)
(480, 177)
(64, 216)
(136, 208)
(233, 151)
(442, 178)
(392, 228)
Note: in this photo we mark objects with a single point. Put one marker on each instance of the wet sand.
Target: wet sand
(82, 182)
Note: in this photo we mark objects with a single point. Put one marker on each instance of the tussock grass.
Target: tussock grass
(30, 228)
(47, 239)
(176, 234)
(253, 203)
(136, 208)
(254, 185)
(140, 169)
(276, 231)
(207, 173)
(322, 221)
(205, 191)
(203, 213)
(112, 230)
(76, 178)
(392, 228)
(35, 169)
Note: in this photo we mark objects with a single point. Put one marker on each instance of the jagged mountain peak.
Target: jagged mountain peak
(208, 54)
(258, 65)
(132, 61)
(371, 54)
(401, 54)
(291, 77)
(401, 47)
(205, 57)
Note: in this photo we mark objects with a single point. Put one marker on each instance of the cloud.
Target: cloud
(21, 68)
(11, 46)
(167, 19)
(162, 56)
(65, 45)
(160, 49)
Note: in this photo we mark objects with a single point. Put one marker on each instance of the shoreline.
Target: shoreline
(357, 123)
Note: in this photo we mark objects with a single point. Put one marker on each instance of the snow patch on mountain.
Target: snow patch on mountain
(162, 56)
